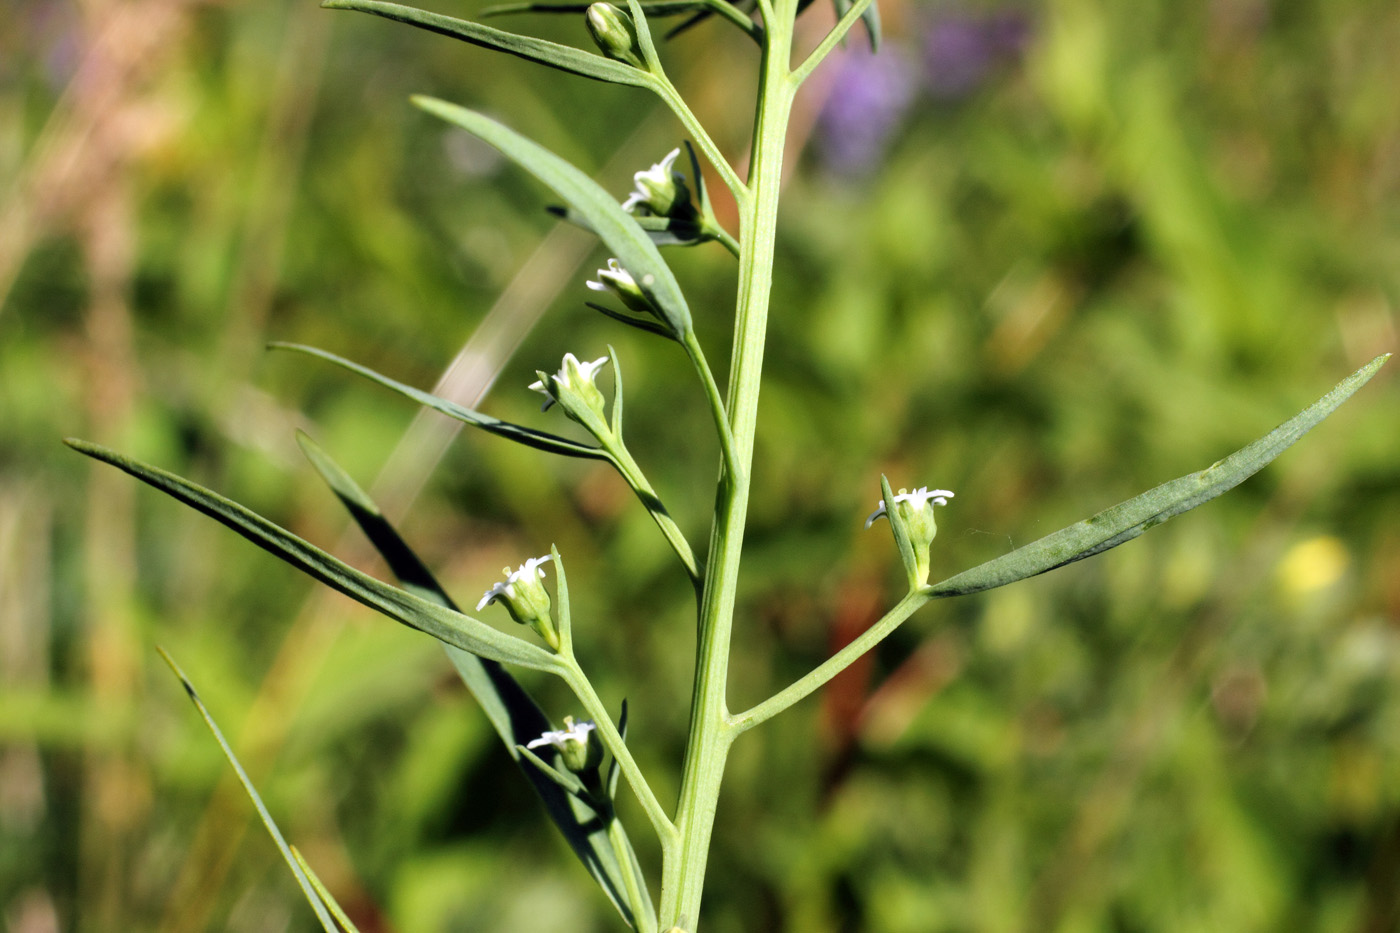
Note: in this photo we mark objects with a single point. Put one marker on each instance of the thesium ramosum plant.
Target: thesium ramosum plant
(578, 759)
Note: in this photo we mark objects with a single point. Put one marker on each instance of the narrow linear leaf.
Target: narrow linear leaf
(565, 619)
(618, 230)
(664, 231)
(539, 440)
(614, 768)
(644, 40)
(1127, 520)
(562, 779)
(453, 628)
(313, 897)
(511, 710)
(901, 533)
(563, 57)
(653, 7)
(697, 178)
(622, 317)
(737, 14)
(617, 391)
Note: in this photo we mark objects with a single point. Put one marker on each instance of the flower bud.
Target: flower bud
(619, 281)
(913, 515)
(661, 191)
(577, 745)
(615, 33)
(575, 388)
(523, 594)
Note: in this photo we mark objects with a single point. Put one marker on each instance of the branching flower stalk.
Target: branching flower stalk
(668, 208)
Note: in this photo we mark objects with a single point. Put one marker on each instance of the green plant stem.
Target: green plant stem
(765, 13)
(668, 93)
(635, 478)
(830, 41)
(645, 919)
(702, 368)
(711, 730)
(573, 675)
(818, 676)
(724, 239)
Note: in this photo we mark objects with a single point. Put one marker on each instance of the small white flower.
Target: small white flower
(916, 499)
(614, 279)
(523, 594)
(527, 573)
(619, 281)
(659, 188)
(564, 379)
(576, 732)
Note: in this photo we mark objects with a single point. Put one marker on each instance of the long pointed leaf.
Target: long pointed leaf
(509, 707)
(618, 230)
(310, 890)
(1127, 520)
(539, 440)
(453, 628)
(563, 57)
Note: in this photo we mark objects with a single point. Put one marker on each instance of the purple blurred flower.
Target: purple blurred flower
(871, 95)
(960, 49)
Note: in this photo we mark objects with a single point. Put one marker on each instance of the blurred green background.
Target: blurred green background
(1045, 255)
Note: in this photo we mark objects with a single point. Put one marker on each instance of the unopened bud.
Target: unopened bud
(615, 33)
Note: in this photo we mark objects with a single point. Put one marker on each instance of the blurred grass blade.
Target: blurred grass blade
(540, 440)
(618, 230)
(563, 57)
(313, 893)
(340, 916)
(515, 716)
(448, 626)
(1127, 520)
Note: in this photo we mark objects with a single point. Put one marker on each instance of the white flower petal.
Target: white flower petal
(918, 499)
(576, 732)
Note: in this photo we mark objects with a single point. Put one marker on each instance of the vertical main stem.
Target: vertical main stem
(711, 732)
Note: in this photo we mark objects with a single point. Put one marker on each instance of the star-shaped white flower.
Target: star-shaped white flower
(560, 738)
(528, 572)
(658, 188)
(918, 499)
(587, 373)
